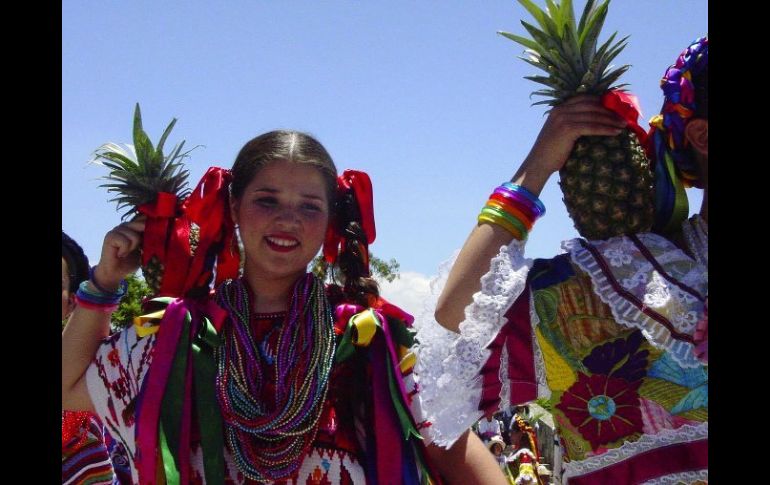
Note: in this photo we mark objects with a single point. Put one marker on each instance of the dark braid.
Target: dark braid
(76, 259)
(359, 287)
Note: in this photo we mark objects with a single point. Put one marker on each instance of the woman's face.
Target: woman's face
(282, 215)
(67, 299)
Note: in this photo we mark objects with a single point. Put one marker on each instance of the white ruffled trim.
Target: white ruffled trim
(684, 434)
(677, 478)
(541, 377)
(638, 276)
(448, 363)
(505, 388)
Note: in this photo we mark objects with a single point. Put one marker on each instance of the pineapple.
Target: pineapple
(606, 182)
(138, 173)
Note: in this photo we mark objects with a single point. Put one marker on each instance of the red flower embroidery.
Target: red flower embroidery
(113, 357)
(604, 409)
(119, 387)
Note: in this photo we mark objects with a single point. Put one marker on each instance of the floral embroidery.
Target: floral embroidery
(619, 358)
(618, 257)
(604, 409)
(114, 358)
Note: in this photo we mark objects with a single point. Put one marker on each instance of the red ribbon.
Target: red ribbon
(208, 207)
(392, 311)
(626, 105)
(361, 185)
(167, 235)
(158, 213)
(389, 443)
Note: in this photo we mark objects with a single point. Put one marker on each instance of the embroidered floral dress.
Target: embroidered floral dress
(115, 383)
(606, 332)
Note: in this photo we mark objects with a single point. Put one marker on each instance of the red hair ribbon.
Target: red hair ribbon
(208, 206)
(361, 185)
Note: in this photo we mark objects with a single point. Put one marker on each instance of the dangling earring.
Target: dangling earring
(237, 241)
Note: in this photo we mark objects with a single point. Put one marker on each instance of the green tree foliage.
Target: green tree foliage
(131, 304)
(381, 270)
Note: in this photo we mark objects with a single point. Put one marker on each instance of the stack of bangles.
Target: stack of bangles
(101, 299)
(513, 208)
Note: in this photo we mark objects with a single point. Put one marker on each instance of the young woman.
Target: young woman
(273, 377)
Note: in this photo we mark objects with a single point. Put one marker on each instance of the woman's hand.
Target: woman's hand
(120, 253)
(579, 116)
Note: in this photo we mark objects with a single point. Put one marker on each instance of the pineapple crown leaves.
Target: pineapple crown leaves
(140, 171)
(568, 52)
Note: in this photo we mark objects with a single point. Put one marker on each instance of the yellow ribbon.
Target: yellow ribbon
(407, 361)
(152, 318)
(365, 326)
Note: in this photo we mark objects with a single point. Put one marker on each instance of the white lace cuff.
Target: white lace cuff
(448, 364)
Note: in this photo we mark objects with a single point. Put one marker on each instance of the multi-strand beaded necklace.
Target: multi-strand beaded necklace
(268, 442)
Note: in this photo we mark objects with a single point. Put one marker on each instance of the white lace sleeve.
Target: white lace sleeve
(448, 363)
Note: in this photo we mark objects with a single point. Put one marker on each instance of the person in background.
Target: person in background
(85, 457)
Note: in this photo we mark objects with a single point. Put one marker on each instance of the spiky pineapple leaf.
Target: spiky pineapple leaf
(528, 43)
(554, 13)
(567, 14)
(139, 172)
(534, 10)
(165, 134)
(589, 6)
(142, 143)
(595, 21)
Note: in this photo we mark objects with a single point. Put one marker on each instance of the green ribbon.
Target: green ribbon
(345, 347)
(207, 407)
(681, 208)
(169, 465)
(395, 395)
(209, 415)
(171, 406)
(402, 334)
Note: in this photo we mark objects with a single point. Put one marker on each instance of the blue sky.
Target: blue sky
(422, 95)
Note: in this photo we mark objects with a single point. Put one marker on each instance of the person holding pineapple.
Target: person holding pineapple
(272, 377)
(613, 331)
(85, 457)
